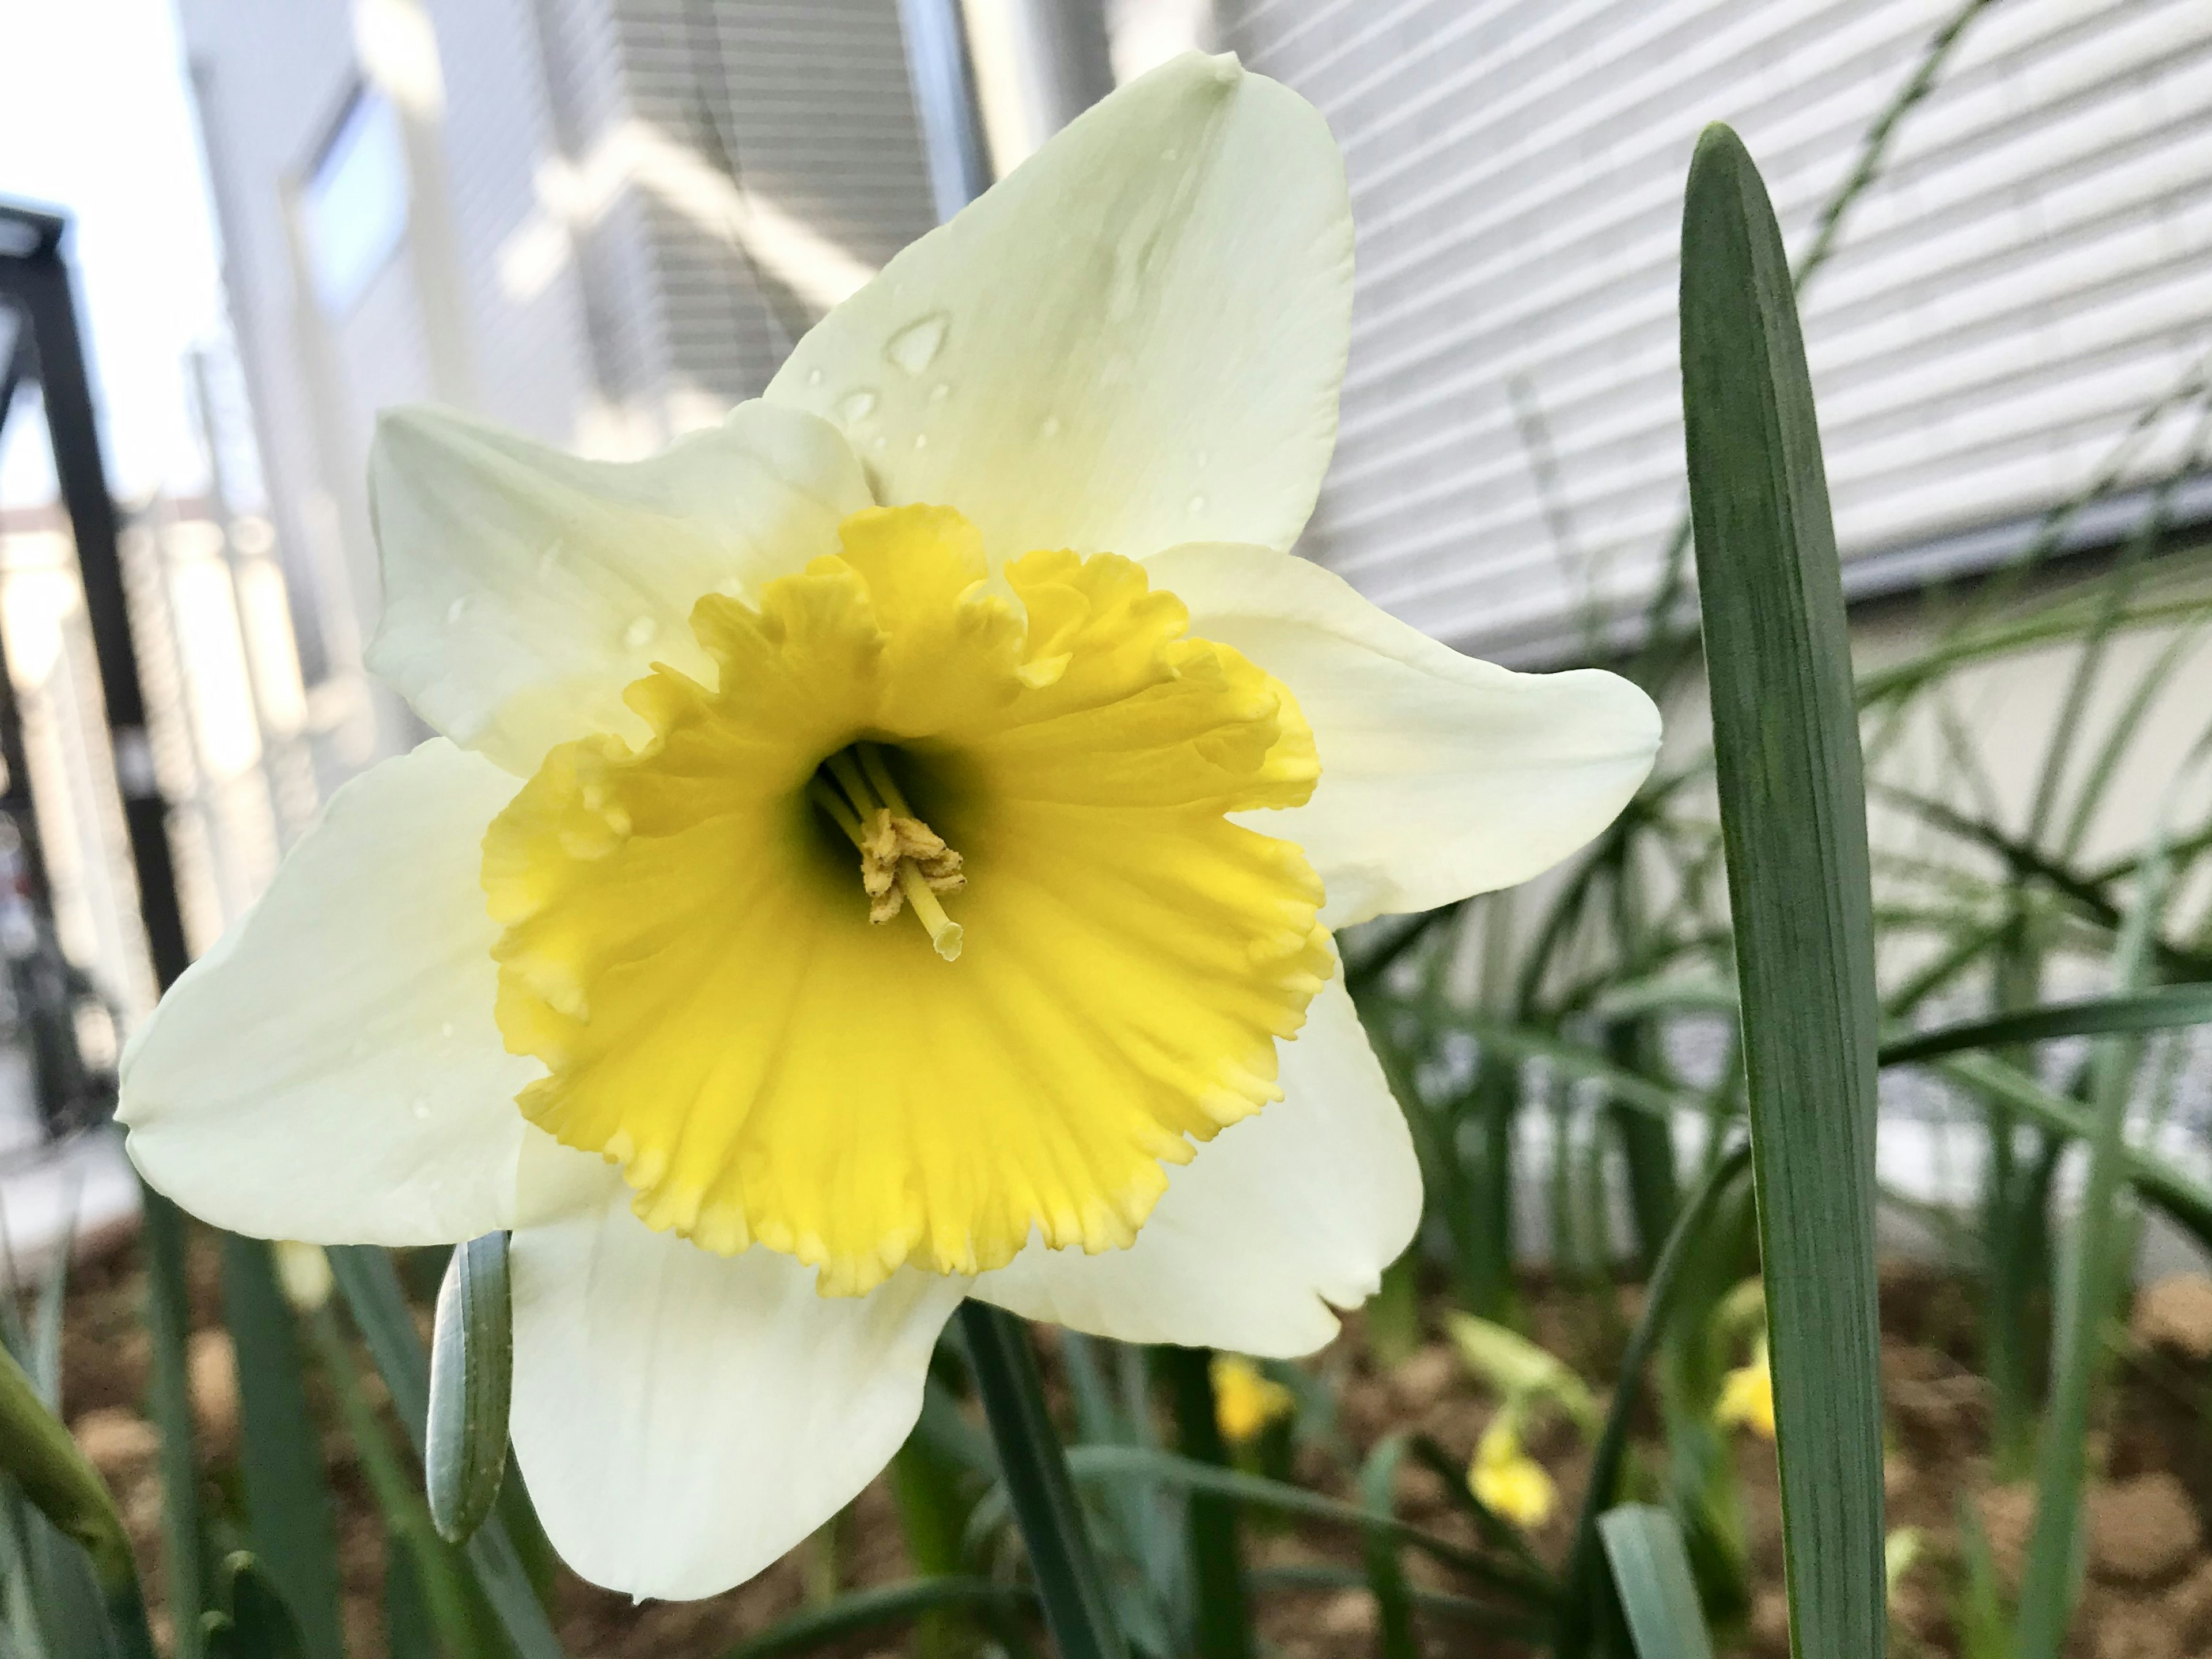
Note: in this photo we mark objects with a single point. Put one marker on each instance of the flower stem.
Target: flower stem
(1035, 1468)
(1217, 1565)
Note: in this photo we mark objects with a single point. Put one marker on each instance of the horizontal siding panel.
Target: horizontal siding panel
(2031, 271)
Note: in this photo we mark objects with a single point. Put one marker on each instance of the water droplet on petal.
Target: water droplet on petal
(641, 632)
(422, 1109)
(921, 441)
(446, 1030)
(876, 443)
(855, 407)
(457, 609)
(915, 347)
(814, 377)
(550, 560)
(940, 391)
(1051, 427)
(1196, 504)
(1171, 155)
(1204, 456)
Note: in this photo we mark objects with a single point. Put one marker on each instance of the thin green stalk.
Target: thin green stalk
(1070, 1585)
(1225, 1629)
(1386, 1577)
(2048, 1584)
(168, 1322)
(1584, 1579)
(292, 1520)
(436, 1565)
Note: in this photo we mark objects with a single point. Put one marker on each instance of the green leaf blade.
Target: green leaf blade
(1651, 1571)
(1793, 811)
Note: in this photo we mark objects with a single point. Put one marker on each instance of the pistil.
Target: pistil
(903, 860)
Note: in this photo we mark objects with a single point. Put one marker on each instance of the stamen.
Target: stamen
(903, 860)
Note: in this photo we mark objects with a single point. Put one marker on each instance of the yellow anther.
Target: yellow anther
(903, 860)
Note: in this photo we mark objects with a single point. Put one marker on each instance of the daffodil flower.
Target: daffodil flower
(883, 850)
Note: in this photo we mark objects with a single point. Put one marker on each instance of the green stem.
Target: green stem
(1069, 1581)
(1584, 1579)
(1224, 1610)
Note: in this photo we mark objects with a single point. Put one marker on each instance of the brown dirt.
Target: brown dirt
(2148, 1595)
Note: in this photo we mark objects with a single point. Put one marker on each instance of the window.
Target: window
(356, 201)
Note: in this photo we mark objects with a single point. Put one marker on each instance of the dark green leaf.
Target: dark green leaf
(168, 1324)
(1217, 1567)
(1077, 1608)
(1793, 817)
(368, 1281)
(1580, 1601)
(1651, 1571)
(1386, 1576)
(256, 1624)
(1089, 1463)
(2157, 1010)
(291, 1517)
(471, 1380)
(871, 1609)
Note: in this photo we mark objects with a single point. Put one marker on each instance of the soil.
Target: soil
(2148, 1596)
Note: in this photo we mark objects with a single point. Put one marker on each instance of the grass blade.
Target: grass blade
(290, 1514)
(1386, 1577)
(1223, 1621)
(1793, 817)
(2049, 1583)
(472, 1382)
(2158, 1010)
(871, 1609)
(370, 1285)
(169, 1323)
(1651, 1571)
(1094, 1463)
(1077, 1608)
(1477, 1615)
(1580, 1603)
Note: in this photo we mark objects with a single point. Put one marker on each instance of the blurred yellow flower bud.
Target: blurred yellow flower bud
(1504, 1478)
(1245, 1399)
(1747, 1397)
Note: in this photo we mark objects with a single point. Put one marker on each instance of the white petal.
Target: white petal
(1276, 1219)
(524, 589)
(331, 1070)
(1441, 776)
(684, 1418)
(1136, 339)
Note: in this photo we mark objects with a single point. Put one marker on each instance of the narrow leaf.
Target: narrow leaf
(291, 1517)
(871, 1609)
(370, 1285)
(1793, 820)
(168, 1324)
(1386, 1576)
(1224, 1614)
(1651, 1571)
(1579, 1604)
(1076, 1607)
(2158, 1010)
(259, 1623)
(471, 1380)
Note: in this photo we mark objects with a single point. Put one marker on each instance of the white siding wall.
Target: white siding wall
(2032, 269)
